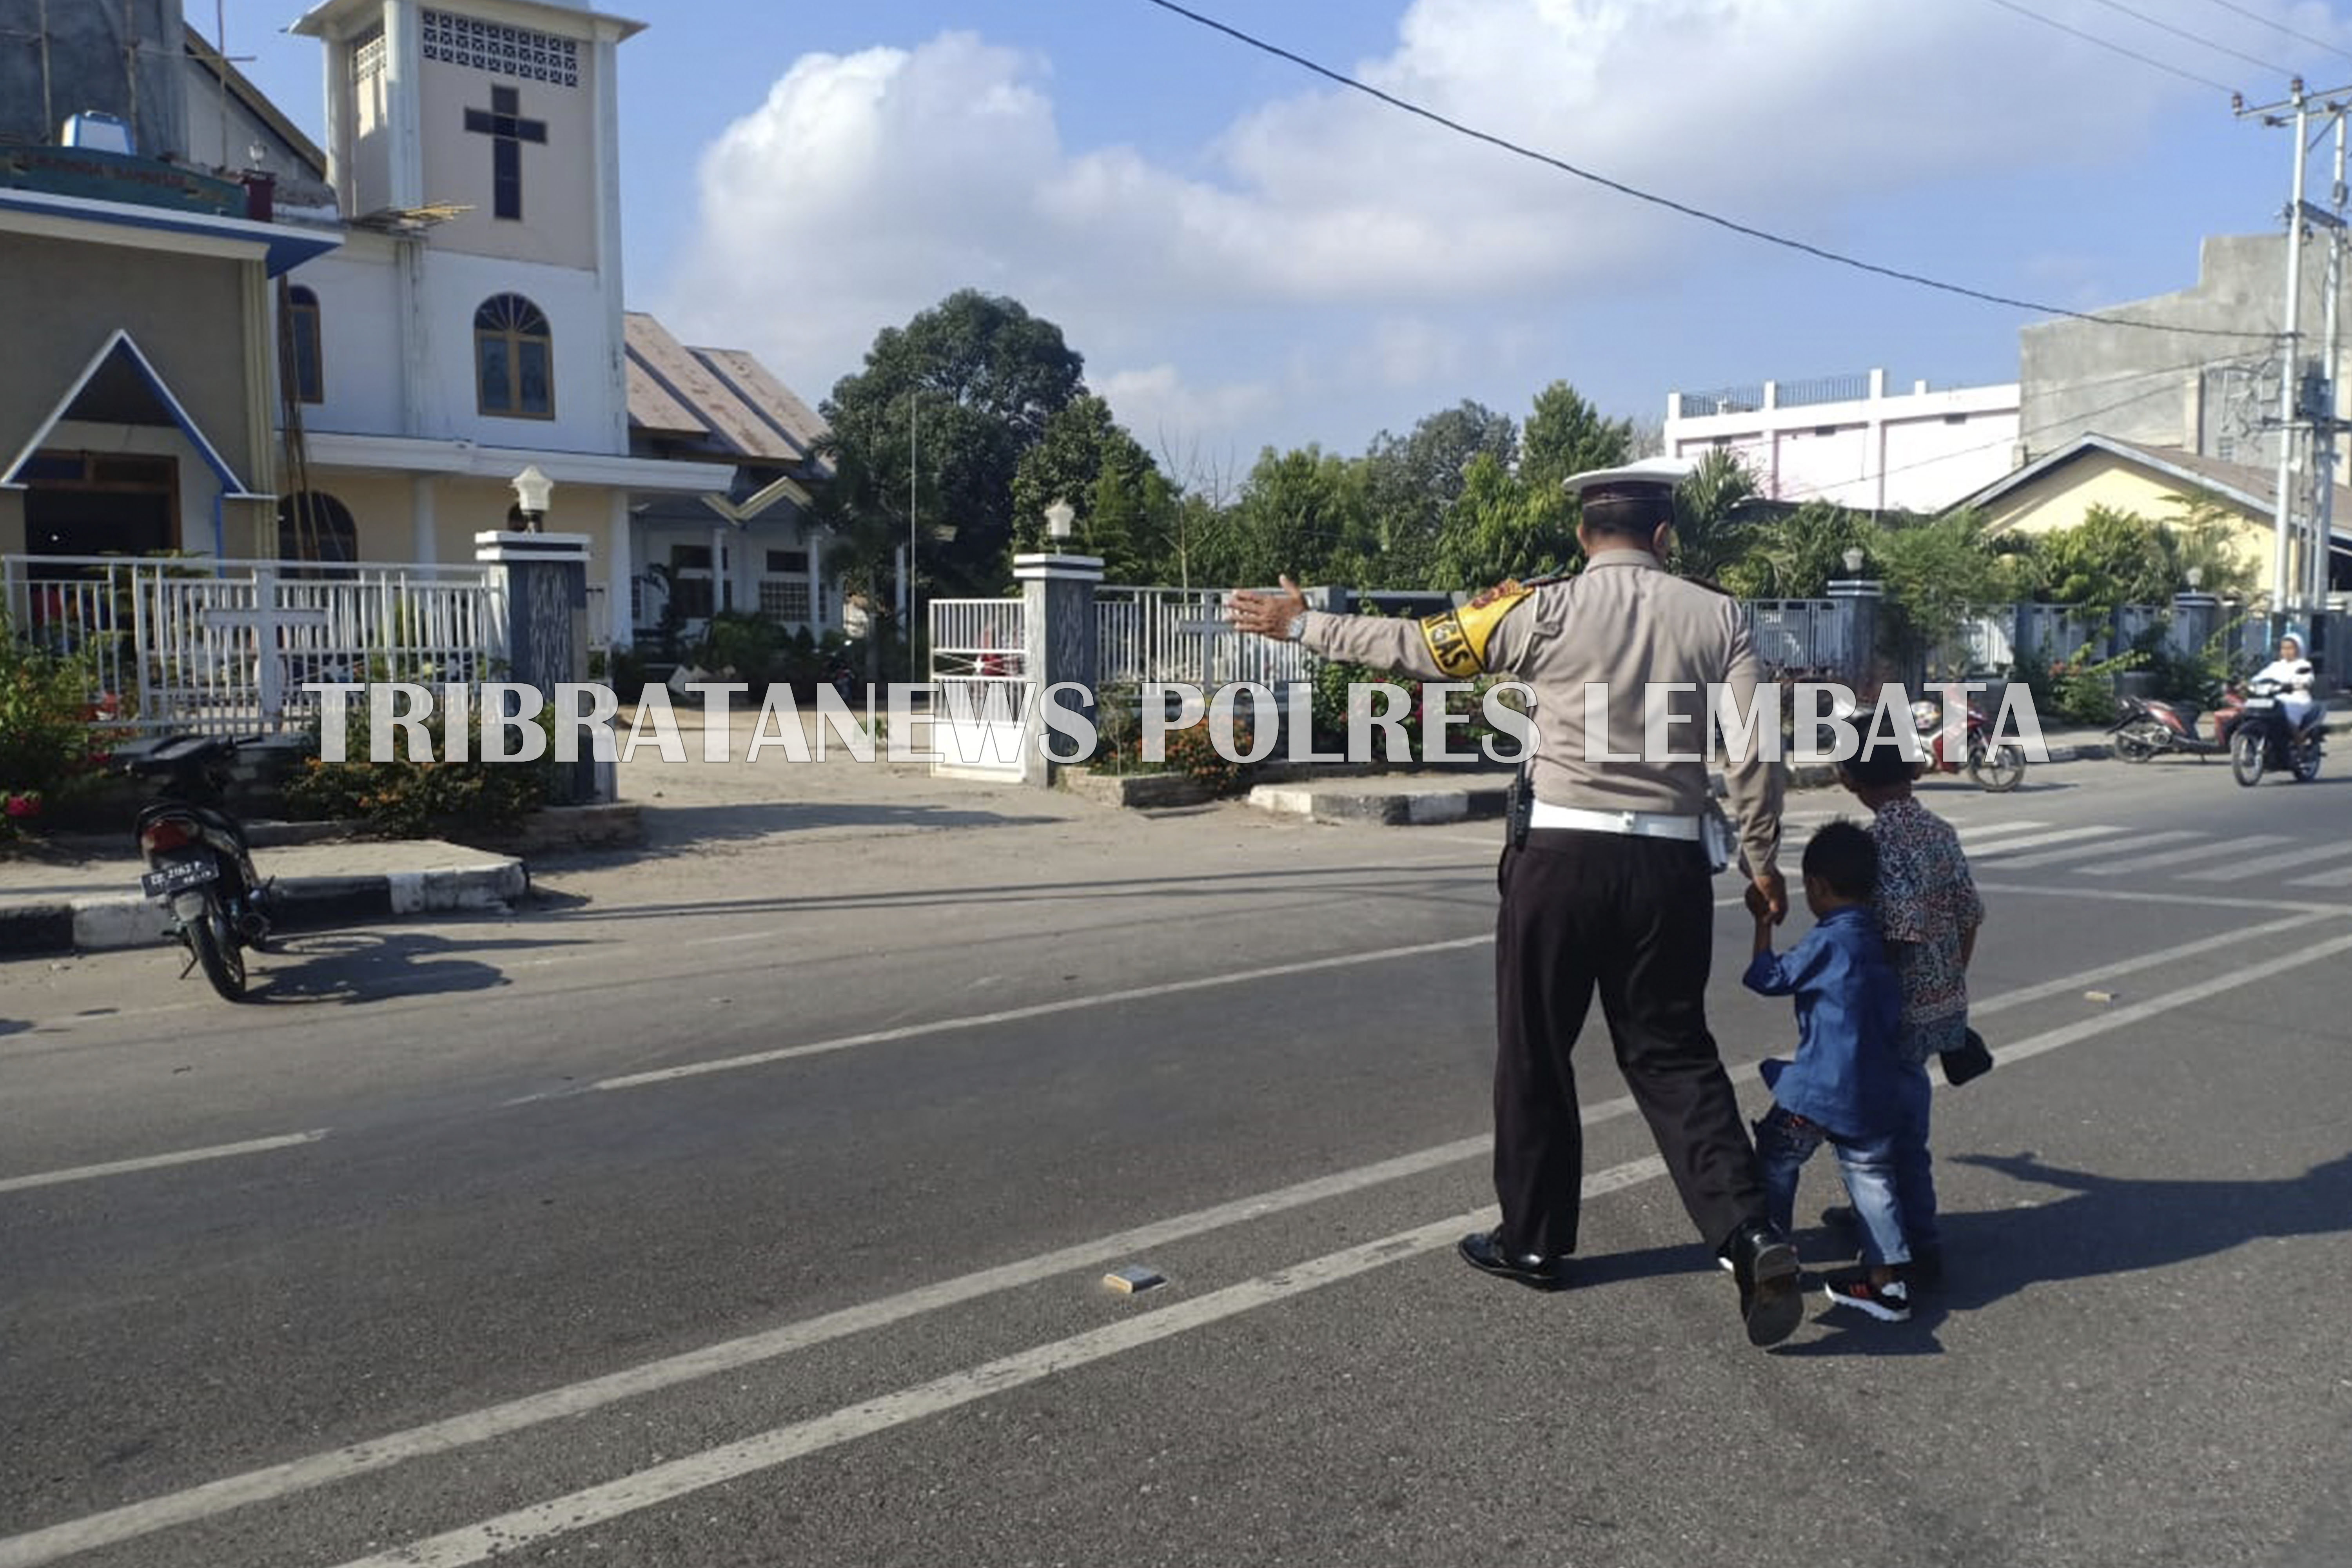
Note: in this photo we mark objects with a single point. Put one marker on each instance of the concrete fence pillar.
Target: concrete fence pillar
(1060, 641)
(1858, 601)
(544, 638)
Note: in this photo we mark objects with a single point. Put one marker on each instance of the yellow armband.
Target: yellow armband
(1458, 640)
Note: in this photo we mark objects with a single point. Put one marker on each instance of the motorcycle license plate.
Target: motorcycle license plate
(177, 877)
(2261, 702)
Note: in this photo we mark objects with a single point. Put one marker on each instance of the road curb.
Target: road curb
(109, 921)
(1409, 808)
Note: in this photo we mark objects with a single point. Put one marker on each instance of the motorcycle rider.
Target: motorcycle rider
(2293, 673)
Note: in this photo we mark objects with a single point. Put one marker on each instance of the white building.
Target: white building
(1845, 440)
(473, 324)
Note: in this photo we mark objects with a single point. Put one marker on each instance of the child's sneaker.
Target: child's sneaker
(1889, 1303)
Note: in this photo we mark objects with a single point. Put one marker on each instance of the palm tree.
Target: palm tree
(1710, 531)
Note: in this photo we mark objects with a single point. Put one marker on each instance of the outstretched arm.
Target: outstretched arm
(1480, 638)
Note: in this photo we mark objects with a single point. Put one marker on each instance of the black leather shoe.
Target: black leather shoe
(1485, 1253)
(1766, 1266)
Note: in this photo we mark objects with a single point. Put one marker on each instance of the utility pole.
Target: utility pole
(2296, 411)
(2325, 417)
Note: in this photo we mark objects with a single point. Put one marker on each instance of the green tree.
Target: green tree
(1797, 556)
(1299, 510)
(1088, 458)
(955, 398)
(2112, 558)
(1566, 434)
(1412, 481)
(1937, 570)
(1710, 531)
(1497, 529)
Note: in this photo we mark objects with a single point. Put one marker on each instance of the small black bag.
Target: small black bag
(1965, 1063)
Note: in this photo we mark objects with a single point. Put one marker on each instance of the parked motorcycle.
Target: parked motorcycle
(2266, 741)
(1999, 769)
(200, 866)
(2148, 727)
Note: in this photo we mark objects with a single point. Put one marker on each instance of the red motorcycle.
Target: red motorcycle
(1999, 769)
(2148, 727)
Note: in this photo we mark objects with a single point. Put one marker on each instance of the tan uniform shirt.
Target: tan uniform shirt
(1623, 623)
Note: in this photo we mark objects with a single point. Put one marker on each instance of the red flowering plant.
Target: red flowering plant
(54, 741)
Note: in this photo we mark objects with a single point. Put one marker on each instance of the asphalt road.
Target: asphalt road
(752, 1206)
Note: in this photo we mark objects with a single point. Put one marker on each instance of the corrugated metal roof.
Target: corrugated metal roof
(690, 383)
(776, 402)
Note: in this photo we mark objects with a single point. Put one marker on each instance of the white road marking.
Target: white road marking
(2067, 983)
(158, 1161)
(664, 1483)
(1972, 832)
(2036, 840)
(2309, 854)
(2076, 852)
(2201, 900)
(2183, 856)
(175, 1509)
(1016, 1015)
(2339, 877)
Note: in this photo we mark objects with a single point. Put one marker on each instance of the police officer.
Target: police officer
(1606, 885)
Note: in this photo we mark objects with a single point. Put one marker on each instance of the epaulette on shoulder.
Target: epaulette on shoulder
(1711, 586)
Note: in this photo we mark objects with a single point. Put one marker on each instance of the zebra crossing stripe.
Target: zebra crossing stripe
(2181, 858)
(2339, 877)
(2306, 856)
(2052, 857)
(2035, 840)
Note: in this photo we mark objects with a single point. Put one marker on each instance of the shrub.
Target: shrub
(2083, 690)
(54, 741)
(416, 799)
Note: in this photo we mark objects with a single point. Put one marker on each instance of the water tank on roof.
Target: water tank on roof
(99, 133)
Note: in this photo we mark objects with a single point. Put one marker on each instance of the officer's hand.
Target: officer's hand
(1266, 615)
(1767, 895)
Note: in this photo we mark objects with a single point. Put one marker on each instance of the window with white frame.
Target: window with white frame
(784, 586)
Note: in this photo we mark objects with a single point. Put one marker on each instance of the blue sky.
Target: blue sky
(1247, 255)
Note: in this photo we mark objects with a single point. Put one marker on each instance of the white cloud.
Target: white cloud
(869, 185)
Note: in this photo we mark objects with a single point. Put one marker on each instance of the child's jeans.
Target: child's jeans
(1784, 1143)
(1914, 1181)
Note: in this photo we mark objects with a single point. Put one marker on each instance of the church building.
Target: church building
(393, 343)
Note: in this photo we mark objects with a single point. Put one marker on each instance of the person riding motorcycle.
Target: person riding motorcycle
(2293, 673)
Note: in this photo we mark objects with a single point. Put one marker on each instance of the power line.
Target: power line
(2290, 32)
(1623, 189)
(2194, 38)
(2118, 48)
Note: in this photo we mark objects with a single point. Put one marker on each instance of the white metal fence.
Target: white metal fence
(1179, 634)
(978, 662)
(1797, 636)
(225, 647)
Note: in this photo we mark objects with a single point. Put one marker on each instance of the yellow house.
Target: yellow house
(2160, 484)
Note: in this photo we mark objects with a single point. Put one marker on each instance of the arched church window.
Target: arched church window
(309, 367)
(514, 370)
(313, 526)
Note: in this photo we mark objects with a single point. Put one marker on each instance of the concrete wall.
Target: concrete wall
(360, 352)
(1918, 450)
(559, 178)
(2170, 387)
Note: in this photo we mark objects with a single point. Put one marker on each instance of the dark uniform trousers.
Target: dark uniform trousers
(1633, 918)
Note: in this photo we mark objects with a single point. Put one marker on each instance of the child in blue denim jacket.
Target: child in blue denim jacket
(1844, 1088)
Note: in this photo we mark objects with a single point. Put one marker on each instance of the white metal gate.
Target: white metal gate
(984, 691)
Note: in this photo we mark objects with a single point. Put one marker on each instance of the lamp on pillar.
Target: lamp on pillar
(1855, 601)
(2196, 575)
(532, 491)
(1058, 517)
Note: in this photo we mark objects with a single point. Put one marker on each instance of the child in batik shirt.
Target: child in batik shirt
(1928, 915)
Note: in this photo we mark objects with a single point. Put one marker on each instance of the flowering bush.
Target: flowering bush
(54, 741)
(414, 799)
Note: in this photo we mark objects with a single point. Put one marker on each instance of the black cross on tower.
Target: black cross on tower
(504, 124)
